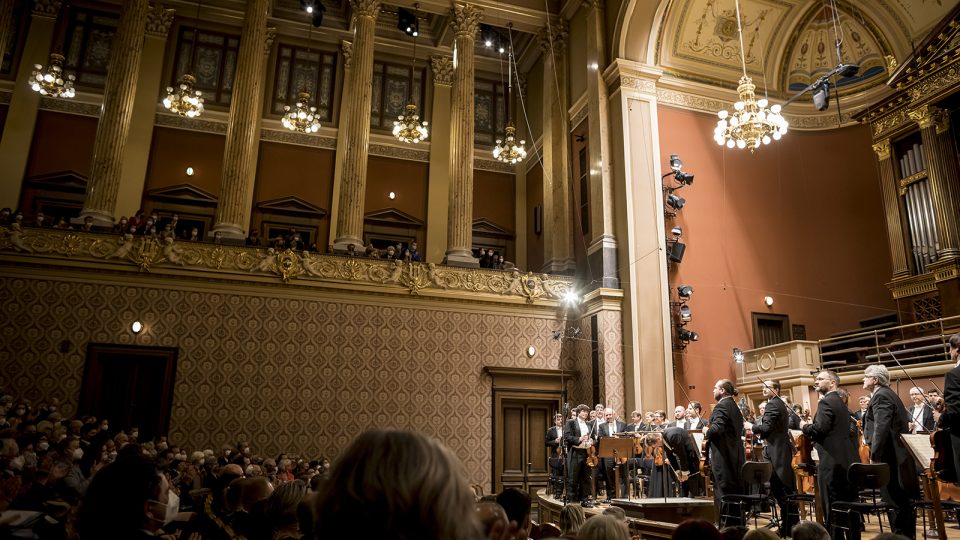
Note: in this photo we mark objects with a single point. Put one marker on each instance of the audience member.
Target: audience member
(761, 533)
(809, 530)
(604, 528)
(733, 532)
(516, 503)
(696, 529)
(128, 499)
(491, 514)
(571, 519)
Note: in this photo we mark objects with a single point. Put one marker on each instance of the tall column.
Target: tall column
(602, 248)
(243, 127)
(466, 21)
(346, 49)
(438, 191)
(891, 206)
(22, 111)
(110, 142)
(355, 132)
(133, 171)
(557, 208)
(943, 175)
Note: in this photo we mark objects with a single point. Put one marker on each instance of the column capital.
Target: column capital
(159, 20)
(882, 149)
(442, 68)
(47, 8)
(346, 48)
(365, 8)
(930, 116)
(268, 40)
(556, 33)
(593, 4)
(466, 19)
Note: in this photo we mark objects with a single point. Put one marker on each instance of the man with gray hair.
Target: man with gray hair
(889, 419)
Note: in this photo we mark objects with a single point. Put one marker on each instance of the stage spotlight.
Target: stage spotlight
(571, 298)
(684, 178)
(685, 291)
(407, 22)
(821, 96)
(675, 202)
(675, 163)
(687, 335)
(676, 251)
(677, 232)
(685, 314)
(737, 355)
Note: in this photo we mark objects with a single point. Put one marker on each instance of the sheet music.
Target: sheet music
(698, 437)
(920, 448)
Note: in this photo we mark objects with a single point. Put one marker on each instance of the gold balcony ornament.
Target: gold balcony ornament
(752, 122)
(408, 128)
(184, 99)
(302, 117)
(508, 150)
(51, 81)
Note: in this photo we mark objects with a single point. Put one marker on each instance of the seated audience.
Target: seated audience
(604, 528)
(491, 514)
(571, 519)
(696, 529)
(127, 499)
(809, 530)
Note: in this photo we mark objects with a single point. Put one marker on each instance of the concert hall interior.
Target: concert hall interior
(462, 217)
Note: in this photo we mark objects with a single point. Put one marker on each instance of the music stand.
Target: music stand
(613, 448)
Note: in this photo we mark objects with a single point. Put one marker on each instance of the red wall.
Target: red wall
(800, 220)
(173, 150)
(61, 142)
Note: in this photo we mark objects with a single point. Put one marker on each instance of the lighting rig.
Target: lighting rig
(673, 204)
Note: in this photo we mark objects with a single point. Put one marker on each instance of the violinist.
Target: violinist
(864, 402)
(830, 432)
(889, 419)
(609, 428)
(553, 441)
(921, 415)
(579, 435)
(636, 423)
(950, 418)
(681, 464)
(724, 439)
(694, 420)
(779, 449)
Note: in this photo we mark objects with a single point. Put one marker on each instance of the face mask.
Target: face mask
(173, 507)
(78, 454)
(44, 446)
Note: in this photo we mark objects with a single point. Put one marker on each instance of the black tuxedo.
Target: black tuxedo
(950, 419)
(696, 423)
(555, 460)
(578, 474)
(830, 432)
(725, 449)
(889, 419)
(773, 428)
(608, 464)
(550, 440)
(926, 417)
(681, 451)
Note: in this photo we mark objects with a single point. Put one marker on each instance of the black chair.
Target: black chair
(754, 476)
(867, 479)
(926, 505)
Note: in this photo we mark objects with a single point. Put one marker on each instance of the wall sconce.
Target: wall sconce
(136, 327)
(737, 355)
(391, 195)
(189, 171)
(768, 301)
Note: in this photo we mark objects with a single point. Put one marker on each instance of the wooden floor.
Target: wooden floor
(660, 530)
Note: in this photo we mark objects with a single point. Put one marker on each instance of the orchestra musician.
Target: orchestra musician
(950, 418)
(726, 451)
(830, 433)
(609, 428)
(889, 419)
(694, 420)
(681, 466)
(679, 417)
(772, 427)
(636, 422)
(579, 436)
(921, 415)
(553, 441)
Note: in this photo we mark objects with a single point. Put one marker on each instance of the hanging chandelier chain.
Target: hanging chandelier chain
(509, 149)
(408, 127)
(743, 58)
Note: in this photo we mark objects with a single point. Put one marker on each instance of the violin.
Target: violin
(942, 462)
(592, 459)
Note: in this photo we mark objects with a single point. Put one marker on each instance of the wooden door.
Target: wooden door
(521, 424)
(130, 386)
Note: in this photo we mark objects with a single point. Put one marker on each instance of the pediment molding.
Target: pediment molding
(393, 217)
(184, 193)
(486, 227)
(292, 205)
(68, 180)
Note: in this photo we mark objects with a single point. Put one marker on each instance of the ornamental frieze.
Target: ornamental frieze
(150, 254)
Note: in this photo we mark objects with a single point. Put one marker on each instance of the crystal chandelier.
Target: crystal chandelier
(508, 149)
(301, 117)
(183, 99)
(751, 123)
(51, 81)
(407, 127)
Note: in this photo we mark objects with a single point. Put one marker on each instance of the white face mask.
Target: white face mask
(173, 507)
(44, 446)
(78, 454)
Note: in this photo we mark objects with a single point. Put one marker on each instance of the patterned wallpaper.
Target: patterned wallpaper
(300, 374)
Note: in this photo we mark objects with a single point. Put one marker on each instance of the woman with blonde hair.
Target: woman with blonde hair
(603, 528)
(396, 485)
(571, 519)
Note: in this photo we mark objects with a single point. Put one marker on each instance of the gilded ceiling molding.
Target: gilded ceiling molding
(882, 149)
(159, 20)
(889, 123)
(268, 40)
(47, 8)
(465, 19)
(192, 124)
(929, 116)
(912, 286)
(638, 83)
(930, 88)
(291, 137)
(346, 49)
(442, 68)
(70, 106)
(230, 262)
